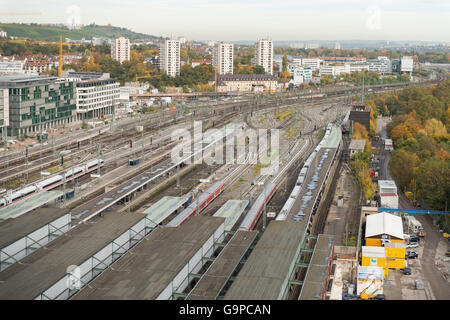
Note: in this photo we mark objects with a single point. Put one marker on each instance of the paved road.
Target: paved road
(438, 284)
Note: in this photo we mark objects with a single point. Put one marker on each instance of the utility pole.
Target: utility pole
(99, 153)
(362, 92)
(265, 213)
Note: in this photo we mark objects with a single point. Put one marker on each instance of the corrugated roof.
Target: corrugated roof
(376, 252)
(357, 144)
(384, 223)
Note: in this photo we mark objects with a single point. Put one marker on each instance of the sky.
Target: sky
(233, 20)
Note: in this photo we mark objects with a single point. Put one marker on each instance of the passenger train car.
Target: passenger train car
(50, 183)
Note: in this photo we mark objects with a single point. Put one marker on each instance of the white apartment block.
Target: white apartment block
(11, 66)
(381, 65)
(406, 64)
(3, 34)
(120, 49)
(264, 55)
(223, 58)
(169, 53)
(4, 111)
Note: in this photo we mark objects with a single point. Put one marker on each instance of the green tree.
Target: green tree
(259, 69)
(402, 165)
(285, 63)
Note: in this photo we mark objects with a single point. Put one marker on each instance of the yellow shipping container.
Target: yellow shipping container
(398, 253)
(376, 242)
(396, 263)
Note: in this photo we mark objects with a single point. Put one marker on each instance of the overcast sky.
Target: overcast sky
(427, 20)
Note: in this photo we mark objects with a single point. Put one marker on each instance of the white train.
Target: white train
(49, 183)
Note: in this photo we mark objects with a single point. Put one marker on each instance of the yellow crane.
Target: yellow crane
(60, 64)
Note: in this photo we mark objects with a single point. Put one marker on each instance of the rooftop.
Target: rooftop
(357, 144)
(213, 281)
(316, 276)
(384, 223)
(32, 202)
(12, 230)
(154, 262)
(266, 273)
(163, 208)
(46, 266)
(231, 211)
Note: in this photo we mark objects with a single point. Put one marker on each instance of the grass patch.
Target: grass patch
(280, 116)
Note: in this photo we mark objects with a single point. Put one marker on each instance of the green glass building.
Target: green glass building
(38, 103)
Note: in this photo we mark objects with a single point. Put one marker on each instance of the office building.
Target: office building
(264, 55)
(313, 63)
(223, 58)
(96, 93)
(120, 49)
(406, 64)
(37, 103)
(300, 74)
(169, 53)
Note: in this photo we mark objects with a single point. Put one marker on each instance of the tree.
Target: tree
(259, 69)
(285, 63)
(433, 179)
(402, 165)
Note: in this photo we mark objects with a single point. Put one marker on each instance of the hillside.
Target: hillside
(52, 33)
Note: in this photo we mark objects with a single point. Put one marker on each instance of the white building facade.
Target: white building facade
(4, 111)
(11, 65)
(120, 49)
(223, 58)
(264, 55)
(169, 53)
(406, 64)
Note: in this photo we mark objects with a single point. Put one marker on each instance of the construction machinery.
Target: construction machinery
(60, 63)
(369, 296)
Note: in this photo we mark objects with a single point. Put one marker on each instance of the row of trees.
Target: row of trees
(360, 162)
(419, 130)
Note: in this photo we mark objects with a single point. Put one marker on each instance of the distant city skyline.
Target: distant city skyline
(284, 20)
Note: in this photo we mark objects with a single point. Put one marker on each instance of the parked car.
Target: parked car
(413, 245)
(412, 255)
(407, 271)
(414, 238)
(379, 297)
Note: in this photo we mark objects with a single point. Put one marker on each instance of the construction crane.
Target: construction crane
(60, 64)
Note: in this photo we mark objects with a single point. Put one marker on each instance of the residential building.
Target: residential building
(36, 66)
(169, 53)
(245, 83)
(4, 112)
(337, 46)
(197, 62)
(11, 65)
(120, 49)
(182, 40)
(406, 64)
(97, 94)
(264, 55)
(223, 58)
(3, 34)
(37, 103)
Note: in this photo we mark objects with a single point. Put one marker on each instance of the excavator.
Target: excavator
(370, 296)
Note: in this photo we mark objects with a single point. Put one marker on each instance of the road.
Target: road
(439, 285)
